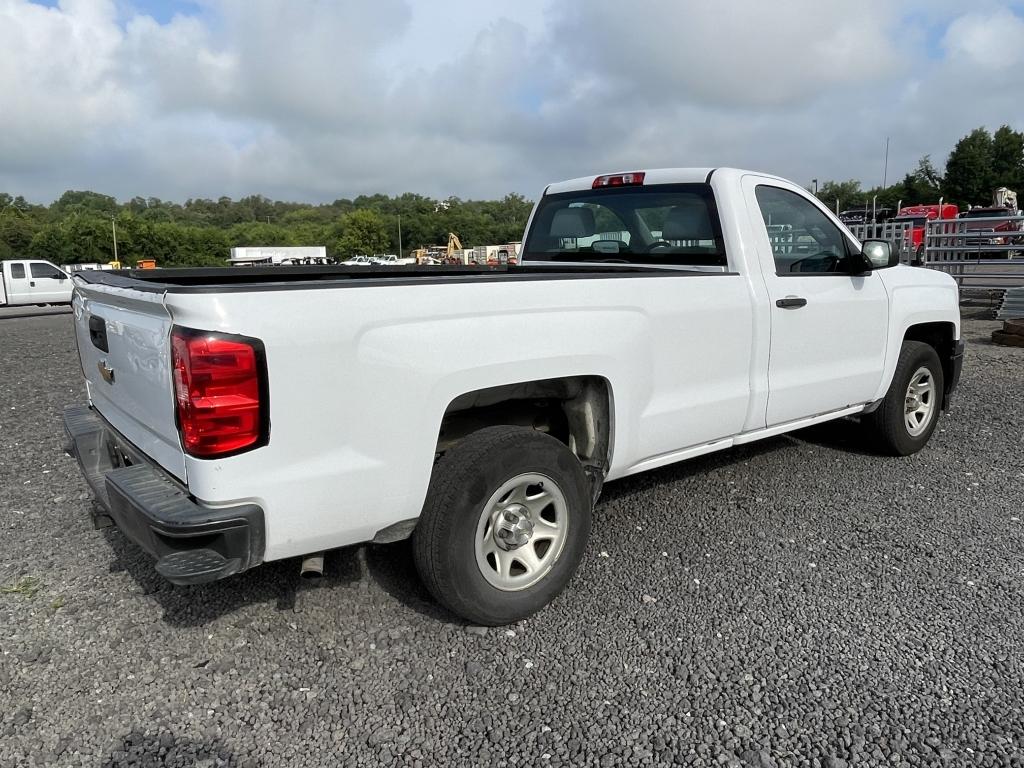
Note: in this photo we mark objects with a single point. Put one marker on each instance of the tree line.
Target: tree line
(79, 226)
(978, 164)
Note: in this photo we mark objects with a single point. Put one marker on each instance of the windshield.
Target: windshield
(665, 224)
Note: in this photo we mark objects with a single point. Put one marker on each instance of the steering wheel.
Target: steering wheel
(658, 244)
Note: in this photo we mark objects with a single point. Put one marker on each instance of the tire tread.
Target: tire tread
(886, 422)
(456, 469)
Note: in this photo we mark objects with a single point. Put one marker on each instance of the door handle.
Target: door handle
(791, 302)
(32, 283)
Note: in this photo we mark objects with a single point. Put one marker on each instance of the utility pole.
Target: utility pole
(113, 227)
(885, 167)
(399, 235)
(815, 181)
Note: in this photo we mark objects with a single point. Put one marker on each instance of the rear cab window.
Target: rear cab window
(17, 271)
(664, 225)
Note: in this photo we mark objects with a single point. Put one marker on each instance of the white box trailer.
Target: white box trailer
(281, 254)
(486, 254)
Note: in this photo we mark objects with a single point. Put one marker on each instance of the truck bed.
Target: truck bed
(215, 279)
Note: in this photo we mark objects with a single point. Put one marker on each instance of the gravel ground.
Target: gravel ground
(794, 602)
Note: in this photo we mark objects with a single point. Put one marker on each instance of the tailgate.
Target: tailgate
(123, 339)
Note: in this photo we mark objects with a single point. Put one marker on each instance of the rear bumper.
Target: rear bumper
(193, 543)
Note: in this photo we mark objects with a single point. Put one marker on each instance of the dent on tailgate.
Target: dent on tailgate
(123, 339)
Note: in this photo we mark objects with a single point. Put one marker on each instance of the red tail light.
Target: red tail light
(221, 393)
(634, 179)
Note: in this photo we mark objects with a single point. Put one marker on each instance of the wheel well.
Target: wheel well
(576, 410)
(940, 336)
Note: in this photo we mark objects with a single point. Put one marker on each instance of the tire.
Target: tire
(894, 430)
(456, 543)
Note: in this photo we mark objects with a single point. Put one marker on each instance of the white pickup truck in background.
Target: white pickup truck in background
(28, 281)
(240, 416)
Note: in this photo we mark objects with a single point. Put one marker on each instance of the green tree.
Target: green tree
(362, 231)
(77, 226)
(922, 186)
(48, 244)
(255, 233)
(84, 202)
(969, 170)
(847, 193)
(16, 233)
(1008, 158)
(927, 174)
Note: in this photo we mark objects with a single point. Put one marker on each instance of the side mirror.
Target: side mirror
(878, 254)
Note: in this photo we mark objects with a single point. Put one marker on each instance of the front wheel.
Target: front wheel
(504, 526)
(907, 416)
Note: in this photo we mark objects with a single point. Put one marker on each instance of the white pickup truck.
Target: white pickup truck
(241, 416)
(29, 281)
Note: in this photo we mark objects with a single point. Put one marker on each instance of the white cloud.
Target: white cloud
(737, 54)
(993, 41)
(58, 85)
(316, 99)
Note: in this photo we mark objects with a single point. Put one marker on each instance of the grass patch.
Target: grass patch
(26, 586)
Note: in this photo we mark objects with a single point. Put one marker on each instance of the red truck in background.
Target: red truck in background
(920, 215)
(997, 224)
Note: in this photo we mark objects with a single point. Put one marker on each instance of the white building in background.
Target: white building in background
(275, 255)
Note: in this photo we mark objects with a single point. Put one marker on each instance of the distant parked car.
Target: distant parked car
(358, 261)
(390, 259)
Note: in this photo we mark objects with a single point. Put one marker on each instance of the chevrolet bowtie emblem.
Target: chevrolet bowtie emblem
(106, 371)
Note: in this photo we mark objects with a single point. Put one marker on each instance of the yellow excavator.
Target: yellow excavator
(454, 244)
(439, 254)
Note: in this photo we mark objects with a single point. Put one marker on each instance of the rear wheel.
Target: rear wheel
(905, 420)
(504, 526)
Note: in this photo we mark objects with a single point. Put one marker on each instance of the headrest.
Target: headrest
(573, 222)
(689, 221)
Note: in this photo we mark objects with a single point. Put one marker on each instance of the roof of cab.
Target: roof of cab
(651, 176)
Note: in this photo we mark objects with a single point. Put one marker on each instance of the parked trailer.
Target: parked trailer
(486, 254)
(974, 237)
(31, 281)
(90, 266)
(277, 255)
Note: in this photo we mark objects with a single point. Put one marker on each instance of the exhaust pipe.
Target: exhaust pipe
(312, 566)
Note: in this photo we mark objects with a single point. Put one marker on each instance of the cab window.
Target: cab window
(41, 269)
(18, 271)
(663, 224)
(804, 240)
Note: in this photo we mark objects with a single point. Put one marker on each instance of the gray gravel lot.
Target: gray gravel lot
(794, 602)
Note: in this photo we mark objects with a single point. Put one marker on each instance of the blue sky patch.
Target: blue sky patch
(161, 10)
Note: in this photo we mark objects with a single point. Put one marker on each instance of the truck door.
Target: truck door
(48, 284)
(16, 283)
(828, 326)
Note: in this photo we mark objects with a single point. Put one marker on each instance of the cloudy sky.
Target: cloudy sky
(319, 99)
